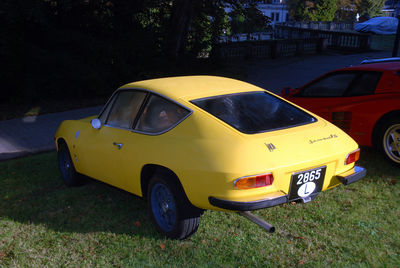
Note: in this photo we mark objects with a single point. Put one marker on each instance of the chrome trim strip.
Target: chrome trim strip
(314, 119)
(392, 59)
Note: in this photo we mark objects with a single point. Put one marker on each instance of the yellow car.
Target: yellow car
(192, 143)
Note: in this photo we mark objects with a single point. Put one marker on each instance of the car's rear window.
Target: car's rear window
(254, 112)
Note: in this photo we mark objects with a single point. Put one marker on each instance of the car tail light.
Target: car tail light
(342, 120)
(254, 181)
(352, 157)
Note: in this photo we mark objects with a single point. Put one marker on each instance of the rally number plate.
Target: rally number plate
(307, 183)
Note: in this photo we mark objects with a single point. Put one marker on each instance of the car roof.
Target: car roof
(381, 66)
(193, 87)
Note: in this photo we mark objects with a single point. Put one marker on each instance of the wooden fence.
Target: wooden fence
(334, 39)
(267, 48)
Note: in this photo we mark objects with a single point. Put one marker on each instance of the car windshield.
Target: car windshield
(254, 112)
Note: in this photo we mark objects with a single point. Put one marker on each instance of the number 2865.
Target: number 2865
(308, 176)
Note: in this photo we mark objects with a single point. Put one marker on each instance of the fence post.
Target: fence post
(299, 47)
(274, 49)
(320, 44)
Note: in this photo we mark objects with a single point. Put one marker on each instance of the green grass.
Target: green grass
(44, 223)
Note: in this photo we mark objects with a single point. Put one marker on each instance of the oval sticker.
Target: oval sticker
(306, 189)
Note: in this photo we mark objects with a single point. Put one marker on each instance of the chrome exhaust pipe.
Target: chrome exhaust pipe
(260, 222)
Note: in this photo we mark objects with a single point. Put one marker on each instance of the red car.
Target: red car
(362, 100)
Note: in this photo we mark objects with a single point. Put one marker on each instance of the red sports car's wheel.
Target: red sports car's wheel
(390, 139)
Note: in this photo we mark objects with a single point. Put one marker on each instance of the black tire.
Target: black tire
(170, 210)
(66, 166)
(388, 139)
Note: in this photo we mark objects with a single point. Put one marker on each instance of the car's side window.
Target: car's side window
(160, 115)
(106, 110)
(365, 84)
(333, 85)
(125, 109)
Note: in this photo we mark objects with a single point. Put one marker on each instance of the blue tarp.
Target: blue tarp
(378, 25)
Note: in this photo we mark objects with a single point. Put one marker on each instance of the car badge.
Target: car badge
(270, 146)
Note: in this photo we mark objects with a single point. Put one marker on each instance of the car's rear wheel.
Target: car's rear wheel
(389, 139)
(68, 173)
(169, 208)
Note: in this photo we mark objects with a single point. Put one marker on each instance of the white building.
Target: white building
(391, 8)
(275, 9)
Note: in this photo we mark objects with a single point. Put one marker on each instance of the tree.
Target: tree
(312, 10)
(196, 24)
(325, 10)
(346, 10)
(369, 8)
(97, 45)
(207, 26)
(248, 19)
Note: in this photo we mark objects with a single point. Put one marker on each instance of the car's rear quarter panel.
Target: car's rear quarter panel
(219, 155)
(365, 110)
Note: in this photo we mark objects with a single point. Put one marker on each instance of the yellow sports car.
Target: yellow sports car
(192, 143)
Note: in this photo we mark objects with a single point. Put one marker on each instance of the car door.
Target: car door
(100, 151)
(325, 93)
(149, 139)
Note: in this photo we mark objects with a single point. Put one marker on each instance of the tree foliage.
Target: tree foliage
(247, 19)
(85, 47)
(346, 11)
(312, 10)
(327, 10)
(370, 8)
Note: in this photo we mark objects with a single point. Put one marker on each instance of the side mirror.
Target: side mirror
(96, 123)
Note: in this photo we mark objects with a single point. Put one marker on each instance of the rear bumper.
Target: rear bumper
(246, 206)
(349, 177)
(359, 173)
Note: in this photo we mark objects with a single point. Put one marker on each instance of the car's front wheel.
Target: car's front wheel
(68, 173)
(389, 139)
(169, 208)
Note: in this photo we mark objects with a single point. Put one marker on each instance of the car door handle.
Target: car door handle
(119, 145)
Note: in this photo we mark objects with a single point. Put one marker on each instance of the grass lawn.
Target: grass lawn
(44, 223)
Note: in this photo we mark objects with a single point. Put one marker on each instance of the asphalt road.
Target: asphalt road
(276, 74)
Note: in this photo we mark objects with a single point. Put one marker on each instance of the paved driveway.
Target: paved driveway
(276, 74)
(34, 134)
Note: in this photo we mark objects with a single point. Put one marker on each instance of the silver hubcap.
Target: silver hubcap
(391, 142)
(165, 207)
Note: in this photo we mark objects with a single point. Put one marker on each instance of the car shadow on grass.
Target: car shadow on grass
(31, 192)
(377, 165)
